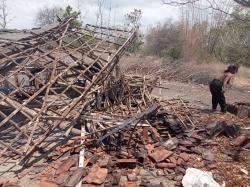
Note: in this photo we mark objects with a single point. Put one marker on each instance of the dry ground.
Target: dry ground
(189, 81)
(182, 72)
(225, 170)
(198, 95)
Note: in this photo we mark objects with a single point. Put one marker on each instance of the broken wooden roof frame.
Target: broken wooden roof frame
(19, 56)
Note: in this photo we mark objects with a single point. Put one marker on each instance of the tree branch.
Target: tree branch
(3, 14)
(212, 4)
(178, 3)
(245, 3)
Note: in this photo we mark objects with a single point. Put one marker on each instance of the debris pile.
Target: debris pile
(49, 76)
(240, 109)
(116, 149)
(64, 85)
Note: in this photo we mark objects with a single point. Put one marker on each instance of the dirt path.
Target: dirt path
(198, 95)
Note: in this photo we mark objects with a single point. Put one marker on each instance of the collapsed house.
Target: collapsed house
(66, 80)
(50, 75)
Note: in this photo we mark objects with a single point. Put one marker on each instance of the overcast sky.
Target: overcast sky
(22, 12)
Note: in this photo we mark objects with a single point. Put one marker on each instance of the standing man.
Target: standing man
(218, 87)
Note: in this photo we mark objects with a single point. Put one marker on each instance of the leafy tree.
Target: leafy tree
(174, 53)
(76, 23)
(165, 40)
(133, 22)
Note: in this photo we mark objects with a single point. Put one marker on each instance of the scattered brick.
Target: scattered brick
(46, 184)
(240, 140)
(160, 155)
(96, 175)
(3, 181)
(129, 184)
(67, 164)
(184, 156)
(165, 165)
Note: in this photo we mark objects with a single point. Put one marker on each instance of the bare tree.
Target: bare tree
(245, 3)
(48, 15)
(214, 5)
(103, 13)
(79, 5)
(3, 14)
(100, 12)
(178, 2)
(109, 14)
(214, 29)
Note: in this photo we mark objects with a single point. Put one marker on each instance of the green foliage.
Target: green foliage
(165, 41)
(228, 42)
(133, 22)
(76, 23)
(174, 53)
(133, 19)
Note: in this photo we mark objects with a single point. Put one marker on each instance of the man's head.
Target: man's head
(233, 68)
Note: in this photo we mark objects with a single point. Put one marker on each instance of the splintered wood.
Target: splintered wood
(49, 76)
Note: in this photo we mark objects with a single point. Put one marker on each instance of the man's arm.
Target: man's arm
(226, 82)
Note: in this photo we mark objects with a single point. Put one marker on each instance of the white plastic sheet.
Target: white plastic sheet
(197, 178)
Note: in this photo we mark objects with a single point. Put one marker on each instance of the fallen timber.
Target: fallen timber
(113, 132)
(135, 120)
(42, 64)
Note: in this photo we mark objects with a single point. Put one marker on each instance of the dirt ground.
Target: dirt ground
(223, 167)
(225, 170)
(198, 95)
(187, 80)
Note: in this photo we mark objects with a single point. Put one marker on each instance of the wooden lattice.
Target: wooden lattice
(48, 77)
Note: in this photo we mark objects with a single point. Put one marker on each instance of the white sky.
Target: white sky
(22, 12)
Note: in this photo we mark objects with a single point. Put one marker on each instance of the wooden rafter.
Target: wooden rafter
(51, 64)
